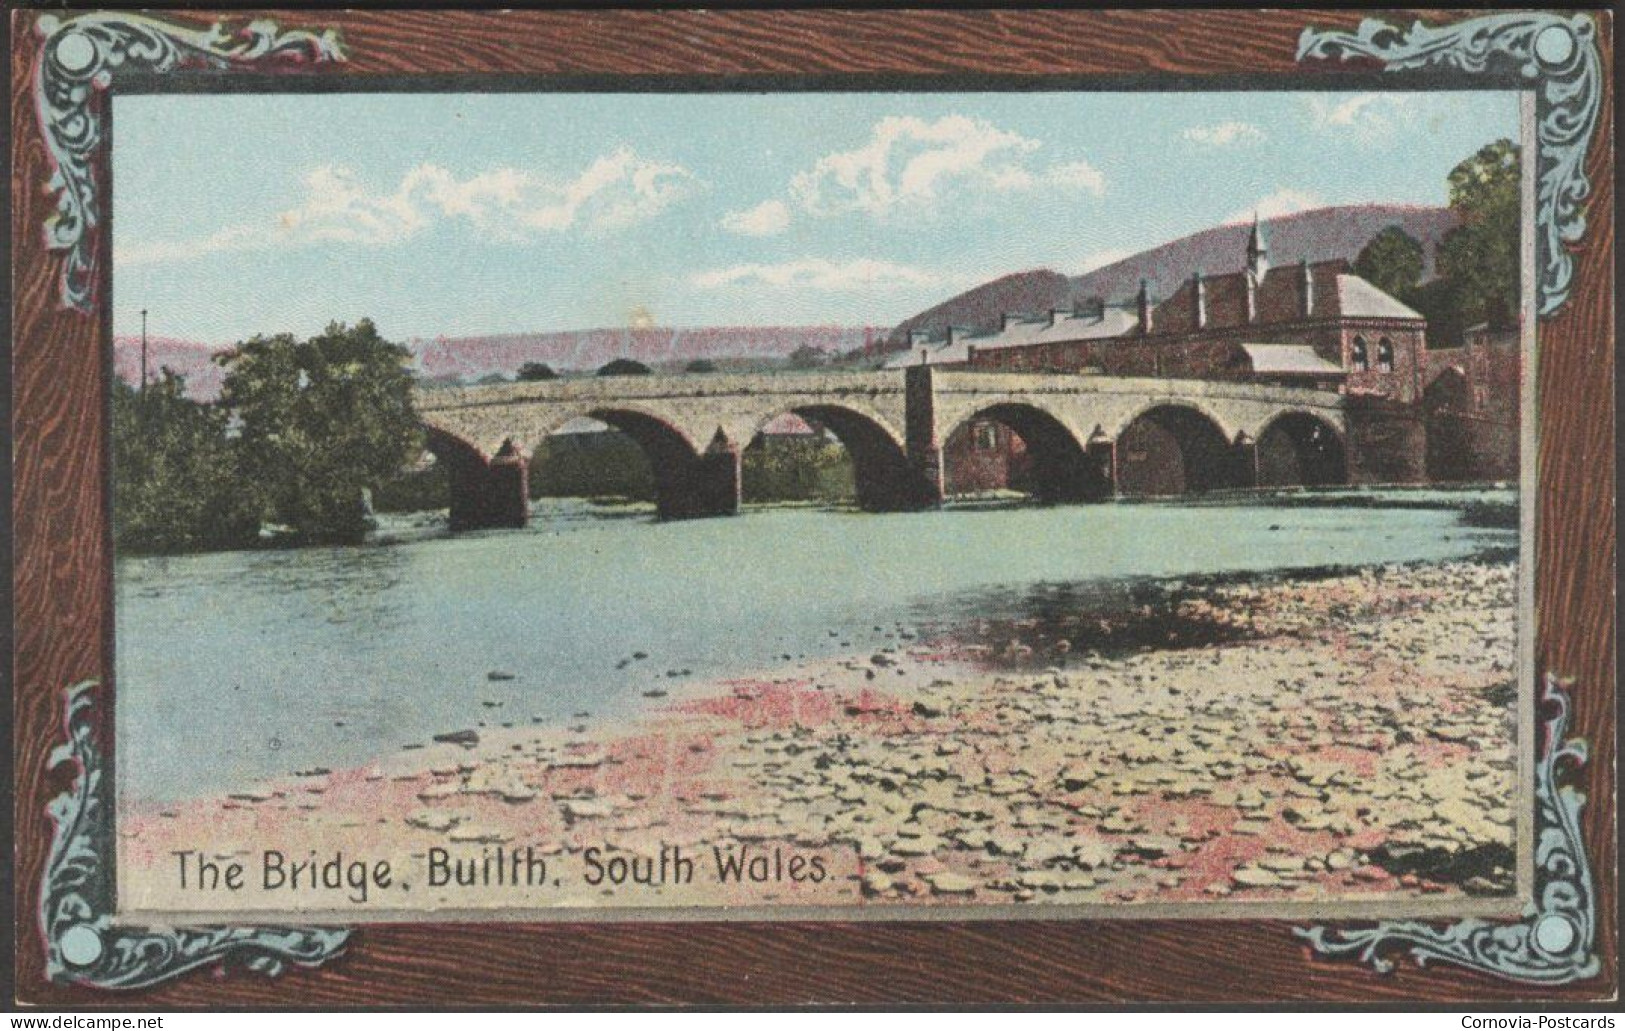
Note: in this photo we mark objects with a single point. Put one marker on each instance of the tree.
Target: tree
(530, 372)
(1391, 262)
(1480, 256)
(175, 480)
(701, 365)
(322, 420)
(808, 357)
(624, 367)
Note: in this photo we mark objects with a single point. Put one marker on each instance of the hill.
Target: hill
(1323, 234)
(466, 359)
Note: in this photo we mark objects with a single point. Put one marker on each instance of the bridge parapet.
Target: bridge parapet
(697, 407)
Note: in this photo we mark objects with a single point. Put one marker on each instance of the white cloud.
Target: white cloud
(911, 166)
(1367, 116)
(1285, 201)
(614, 192)
(1224, 134)
(766, 219)
(819, 274)
(1080, 174)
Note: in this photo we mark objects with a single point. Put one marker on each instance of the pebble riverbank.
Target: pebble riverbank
(1332, 736)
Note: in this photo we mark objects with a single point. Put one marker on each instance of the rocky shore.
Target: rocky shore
(1331, 736)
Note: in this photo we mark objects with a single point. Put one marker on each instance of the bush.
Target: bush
(624, 367)
(177, 485)
(591, 465)
(795, 469)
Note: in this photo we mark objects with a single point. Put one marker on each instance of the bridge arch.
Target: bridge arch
(1061, 467)
(483, 492)
(1298, 448)
(690, 480)
(884, 479)
(1172, 447)
(1447, 407)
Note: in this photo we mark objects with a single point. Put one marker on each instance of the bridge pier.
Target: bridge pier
(707, 485)
(924, 446)
(491, 495)
(1102, 453)
(1245, 463)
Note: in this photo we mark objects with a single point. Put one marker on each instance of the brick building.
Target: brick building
(1315, 325)
(1471, 406)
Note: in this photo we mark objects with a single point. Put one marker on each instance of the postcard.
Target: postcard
(808, 497)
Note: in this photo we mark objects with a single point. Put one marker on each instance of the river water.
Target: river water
(236, 666)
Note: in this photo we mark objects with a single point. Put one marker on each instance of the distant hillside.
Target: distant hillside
(588, 349)
(1320, 235)
(186, 357)
(472, 358)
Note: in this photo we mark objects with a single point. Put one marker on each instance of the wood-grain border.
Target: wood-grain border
(61, 577)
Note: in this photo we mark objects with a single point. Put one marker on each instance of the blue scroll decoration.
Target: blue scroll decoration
(1555, 941)
(1556, 56)
(79, 57)
(83, 945)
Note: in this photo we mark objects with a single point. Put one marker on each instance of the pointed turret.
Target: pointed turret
(1258, 254)
(1257, 264)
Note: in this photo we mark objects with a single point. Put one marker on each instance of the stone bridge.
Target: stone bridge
(1088, 436)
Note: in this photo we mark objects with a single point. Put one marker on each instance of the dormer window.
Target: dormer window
(1360, 361)
(1385, 355)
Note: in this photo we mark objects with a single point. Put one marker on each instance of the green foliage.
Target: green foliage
(701, 365)
(174, 473)
(1437, 302)
(414, 489)
(321, 419)
(612, 465)
(530, 372)
(1391, 262)
(795, 469)
(624, 367)
(808, 357)
(1480, 256)
(591, 465)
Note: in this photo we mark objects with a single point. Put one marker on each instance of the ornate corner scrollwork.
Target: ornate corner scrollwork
(1554, 943)
(1557, 54)
(82, 944)
(80, 54)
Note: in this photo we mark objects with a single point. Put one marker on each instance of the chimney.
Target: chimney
(1306, 290)
(970, 354)
(1145, 308)
(1006, 321)
(1056, 315)
(1200, 292)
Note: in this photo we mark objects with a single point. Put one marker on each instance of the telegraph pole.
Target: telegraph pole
(143, 352)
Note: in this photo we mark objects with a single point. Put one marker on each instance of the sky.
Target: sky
(469, 214)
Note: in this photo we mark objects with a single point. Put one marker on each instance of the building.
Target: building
(1315, 325)
(1471, 407)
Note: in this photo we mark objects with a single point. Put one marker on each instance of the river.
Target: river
(236, 666)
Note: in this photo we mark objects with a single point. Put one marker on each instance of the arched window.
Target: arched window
(985, 436)
(1385, 355)
(1360, 361)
